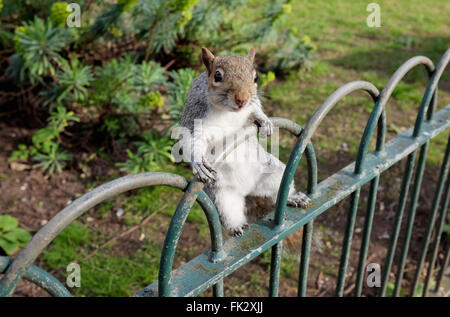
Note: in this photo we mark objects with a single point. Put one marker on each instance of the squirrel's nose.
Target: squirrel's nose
(241, 99)
(241, 102)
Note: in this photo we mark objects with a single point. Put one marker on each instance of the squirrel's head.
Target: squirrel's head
(232, 80)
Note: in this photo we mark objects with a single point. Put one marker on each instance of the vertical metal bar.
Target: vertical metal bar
(398, 221)
(218, 289)
(443, 267)
(435, 249)
(347, 242)
(411, 217)
(173, 235)
(366, 235)
(432, 218)
(277, 250)
(304, 260)
(275, 266)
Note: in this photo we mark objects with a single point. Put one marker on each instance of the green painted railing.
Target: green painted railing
(208, 269)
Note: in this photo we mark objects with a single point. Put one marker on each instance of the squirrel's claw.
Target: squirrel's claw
(266, 128)
(204, 171)
(299, 200)
(240, 230)
(208, 166)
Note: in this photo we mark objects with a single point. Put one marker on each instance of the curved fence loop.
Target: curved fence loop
(43, 237)
(39, 277)
(377, 116)
(430, 97)
(194, 190)
(173, 235)
(305, 138)
(310, 154)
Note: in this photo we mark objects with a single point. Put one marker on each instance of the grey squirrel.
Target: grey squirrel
(221, 102)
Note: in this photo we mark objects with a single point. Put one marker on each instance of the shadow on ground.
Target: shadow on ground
(390, 54)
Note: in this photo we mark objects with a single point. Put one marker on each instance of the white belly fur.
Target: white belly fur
(242, 168)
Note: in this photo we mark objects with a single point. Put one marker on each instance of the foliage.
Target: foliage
(179, 88)
(124, 87)
(265, 79)
(73, 80)
(152, 154)
(38, 45)
(418, 293)
(12, 238)
(54, 158)
(446, 227)
(46, 147)
(59, 13)
(110, 70)
(296, 53)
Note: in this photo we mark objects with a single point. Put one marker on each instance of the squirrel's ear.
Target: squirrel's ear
(207, 58)
(251, 55)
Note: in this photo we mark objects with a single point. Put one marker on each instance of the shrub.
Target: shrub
(110, 72)
(152, 154)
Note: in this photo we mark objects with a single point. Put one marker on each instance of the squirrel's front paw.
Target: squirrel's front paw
(266, 128)
(204, 171)
(299, 200)
(238, 231)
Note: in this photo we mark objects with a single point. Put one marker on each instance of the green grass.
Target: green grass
(103, 274)
(391, 286)
(289, 263)
(349, 50)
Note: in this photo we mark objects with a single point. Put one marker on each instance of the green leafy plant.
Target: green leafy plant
(38, 48)
(179, 88)
(129, 93)
(149, 76)
(45, 148)
(45, 138)
(265, 79)
(54, 158)
(121, 85)
(21, 154)
(152, 154)
(12, 238)
(59, 13)
(418, 293)
(73, 80)
(295, 53)
(446, 228)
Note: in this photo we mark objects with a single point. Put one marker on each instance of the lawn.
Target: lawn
(349, 50)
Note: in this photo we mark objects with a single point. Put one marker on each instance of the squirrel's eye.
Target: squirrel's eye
(217, 76)
(256, 78)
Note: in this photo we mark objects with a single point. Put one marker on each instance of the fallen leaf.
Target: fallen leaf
(16, 166)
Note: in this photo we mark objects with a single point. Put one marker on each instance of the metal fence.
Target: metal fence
(211, 267)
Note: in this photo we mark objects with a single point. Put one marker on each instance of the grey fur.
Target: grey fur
(196, 102)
